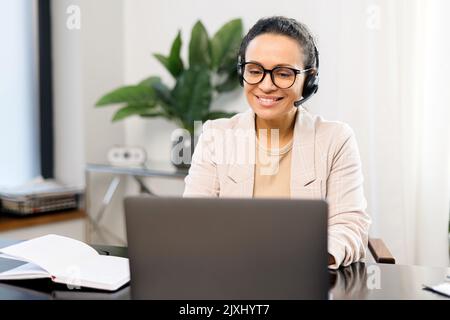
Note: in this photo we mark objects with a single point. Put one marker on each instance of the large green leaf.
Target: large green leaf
(163, 93)
(225, 44)
(213, 115)
(191, 98)
(137, 95)
(153, 115)
(163, 60)
(199, 47)
(149, 82)
(193, 94)
(132, 110)
(228, 78)
(173, 62)
(165, 99)
(231, 82)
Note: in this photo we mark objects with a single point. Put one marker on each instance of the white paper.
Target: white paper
(52, 252)
(24, 272)
(67, 261)
(443, 288)
(101, 272)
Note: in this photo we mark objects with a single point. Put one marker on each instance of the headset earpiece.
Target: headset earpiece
(311, 85)
(240, 71)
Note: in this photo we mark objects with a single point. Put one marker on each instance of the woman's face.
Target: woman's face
(272, 50)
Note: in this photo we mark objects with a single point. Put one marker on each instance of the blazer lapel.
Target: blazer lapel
(242, 167)
(303, 171)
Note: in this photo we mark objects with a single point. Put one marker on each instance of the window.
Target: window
(22, 65)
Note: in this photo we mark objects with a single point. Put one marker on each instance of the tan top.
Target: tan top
(272, 171)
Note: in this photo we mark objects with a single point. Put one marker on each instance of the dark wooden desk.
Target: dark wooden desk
(359, 281)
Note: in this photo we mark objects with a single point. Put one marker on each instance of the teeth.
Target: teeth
(267, 102)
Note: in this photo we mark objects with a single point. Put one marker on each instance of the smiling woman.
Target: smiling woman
(279, 150)
(272, 98)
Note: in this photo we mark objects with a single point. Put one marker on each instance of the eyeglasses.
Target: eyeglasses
(282, 77)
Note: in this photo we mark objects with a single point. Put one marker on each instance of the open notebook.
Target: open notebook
(65, 261)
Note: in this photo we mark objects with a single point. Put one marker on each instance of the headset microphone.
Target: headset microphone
(304, 99)
(311, 84)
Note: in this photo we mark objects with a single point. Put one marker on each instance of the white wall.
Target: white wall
(87, 63)
(67, 98)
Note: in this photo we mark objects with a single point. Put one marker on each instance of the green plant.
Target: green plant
(211, 71)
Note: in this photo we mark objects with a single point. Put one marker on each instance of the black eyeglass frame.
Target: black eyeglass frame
(266, 71)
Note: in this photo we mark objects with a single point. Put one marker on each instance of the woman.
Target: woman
(276, 149)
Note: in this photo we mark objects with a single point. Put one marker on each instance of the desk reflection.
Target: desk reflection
(359, 281)
(44, 289)
(350, 282)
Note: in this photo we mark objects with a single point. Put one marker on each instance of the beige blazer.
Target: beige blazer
(325, 165)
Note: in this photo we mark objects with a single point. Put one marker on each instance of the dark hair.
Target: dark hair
(287, 27)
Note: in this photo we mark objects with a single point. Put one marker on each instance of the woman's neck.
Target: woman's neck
(284, 125)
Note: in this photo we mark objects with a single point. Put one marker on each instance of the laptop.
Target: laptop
(227, 249)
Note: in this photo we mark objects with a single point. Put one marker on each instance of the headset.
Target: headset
(310, 86)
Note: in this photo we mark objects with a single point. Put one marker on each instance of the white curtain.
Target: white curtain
(390, 65)
(433, 183)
